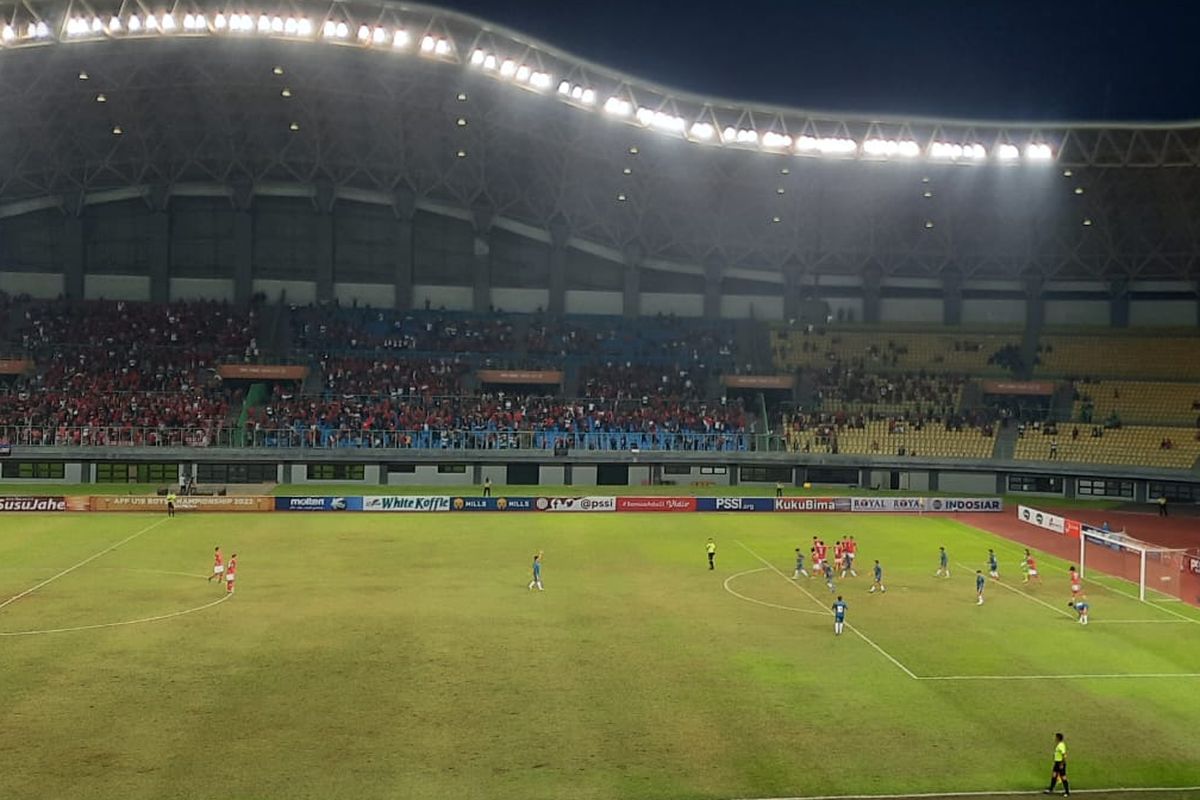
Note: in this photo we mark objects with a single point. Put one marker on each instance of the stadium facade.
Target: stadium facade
(397, 155)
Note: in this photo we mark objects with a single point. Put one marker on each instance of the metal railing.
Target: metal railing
(435, 440)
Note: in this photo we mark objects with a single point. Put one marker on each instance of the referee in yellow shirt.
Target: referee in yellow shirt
(1059, 770)
(711, 547)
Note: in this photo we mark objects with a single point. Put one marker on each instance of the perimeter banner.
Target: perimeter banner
(318, 504)
(569, 504)
(43, 504)
(735, 504)
(1042, 519)
(408, 503)
(656, 504)
(135, 502)
(809, 504)
(491, 504)
(955, 505)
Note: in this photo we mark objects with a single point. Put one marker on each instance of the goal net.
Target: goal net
(1157, 572)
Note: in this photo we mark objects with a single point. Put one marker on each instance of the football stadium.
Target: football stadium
(395, 405)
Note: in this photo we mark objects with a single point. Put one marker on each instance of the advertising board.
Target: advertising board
(318, 504)
(1041, 519)
(417, 503)
(735, 504)
(813, 504)
(186, 503)
(656, 504)
(964, 504)
(491, 504)
(35, 503)
(586, 504)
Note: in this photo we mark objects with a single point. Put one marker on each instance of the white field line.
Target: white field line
(1074, 676)
(158, 618)
(999, 793)
(813, 597)
(740, 596)
(86, 561)
(1136, 622)
(1055, 609)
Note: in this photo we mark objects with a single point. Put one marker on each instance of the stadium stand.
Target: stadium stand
(878, 350)
(911, 435)
(1137, 401)
(1164, 356)
(1149, 445)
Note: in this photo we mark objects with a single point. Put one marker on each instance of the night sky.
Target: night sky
(980, 59)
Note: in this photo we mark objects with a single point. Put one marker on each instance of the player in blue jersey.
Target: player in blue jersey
(839, 616)
(943, 564)
(799, 565)
(1080, 604)
(829, 576)
(979, 583)
(993, 565)
(536, 583)
(878, 584)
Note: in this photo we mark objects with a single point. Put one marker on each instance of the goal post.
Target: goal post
(1145, 565)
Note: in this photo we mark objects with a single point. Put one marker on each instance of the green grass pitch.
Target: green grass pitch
(401, 656)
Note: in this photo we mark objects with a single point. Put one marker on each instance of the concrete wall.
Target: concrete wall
(910, 309)
(497, 472)
(551, 475)
(681, 305)
(374, 295)
(1077, 312)
(695, 475)
(202, 289)
(299, 292)
(967, 482)
(35, 284)
(586, 301)
(451, 298)
(1159, 313)
(428, 475)
(371, 477)
(639, 475)
(116, 287)
(583, 475)
(520, 300)
(995, 311)
(744, 306)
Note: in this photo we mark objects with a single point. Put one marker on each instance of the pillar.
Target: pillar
(405, 206)
(713, 271)
(872, 280)
(243, 244)
(793, 274)
(1035, 302)
(74, 250)
(952, 296)
(1118, 303)
(324, 247)
(481, 272)
(631, 298)
(560, 232)
(159, 235)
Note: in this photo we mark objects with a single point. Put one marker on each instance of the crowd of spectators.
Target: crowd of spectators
(330, 328)
(659, 339)
(841, 385)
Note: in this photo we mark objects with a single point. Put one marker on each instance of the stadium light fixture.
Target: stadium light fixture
(618, 107)
(101, 98)
(135, 23)
(1087, 223)
(277, 25)
(928, 224)
(364, 33)
(97, 25)
(660, 120)
(219, 21)
(295, 126)
(775, 220)
(168, 22)
(286, 92)
(508, 68)
(400, 39)
(42, 30)
(1007, 152)
(114, 24)
(825, 145)
(952, 151)
(1038, 152)
(189, 22)
(477, 57)
(151, 22)
(1078, 190)
(778, 141)
(83, 76)
(1067, 173)
(564, 87)
(889, 148)
(117, 130)
(702, 131)
(8, 34)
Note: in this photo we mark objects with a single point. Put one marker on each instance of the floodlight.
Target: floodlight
(427, 44)
(218, 21)
(114, 24)
(290, 26)
(343, 30)
(101, 98)
(747, 136)
(618, 107)
(151, 22)
(8, 34)
(564, 87)
(442, 48)
(644, 115)
(364, 33)
(773, 139)
(168, 22)
(1038, 152)
(379, 36)
(189, 22)
(540, 80)
(508, 68)
(42, 30)
(329, 29)
(477, 57)
(97, 25)
(523, 73)
(489, 62)
(729, 135)
(117, 130)
(1007, 152)
(304, 27)
(589, 97)
(400, 38)
(702, 130)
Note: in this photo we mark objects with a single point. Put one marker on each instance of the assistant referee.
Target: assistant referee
(1059, 770)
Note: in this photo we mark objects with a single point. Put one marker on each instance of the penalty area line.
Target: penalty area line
(1079, 676)
(86, 561)
(755, 600)
(1027, 595)
(141, 621)
(813, 597)
(999, 793)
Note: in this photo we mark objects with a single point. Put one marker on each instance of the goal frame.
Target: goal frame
(1122, 541)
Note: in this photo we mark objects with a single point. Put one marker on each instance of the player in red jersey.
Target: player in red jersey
(839, 554)
(1076, 583)
(822, 551)
(218, 566)
(230, 573)
(1031, 572)
(851, 552)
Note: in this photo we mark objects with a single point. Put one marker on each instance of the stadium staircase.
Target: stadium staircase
(1006, 442)
(255, 396)
(753, 344)
(1062, 404)
(274, 329)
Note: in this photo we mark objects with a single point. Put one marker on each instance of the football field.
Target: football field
(402, 656)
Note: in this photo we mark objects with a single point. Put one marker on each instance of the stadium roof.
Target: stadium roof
(412, 105)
